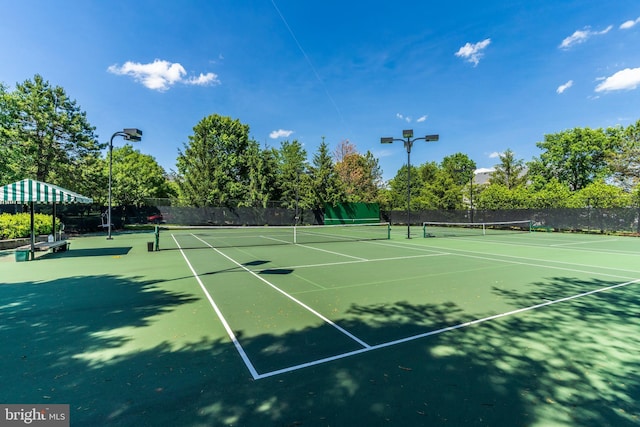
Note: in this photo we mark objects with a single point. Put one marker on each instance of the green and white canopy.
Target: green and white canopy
(30, 190)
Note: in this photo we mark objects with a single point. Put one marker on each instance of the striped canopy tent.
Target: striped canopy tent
(31, 191)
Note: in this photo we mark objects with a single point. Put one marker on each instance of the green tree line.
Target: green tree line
(45, 135)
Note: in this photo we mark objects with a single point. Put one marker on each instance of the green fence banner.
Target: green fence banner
(351, 213)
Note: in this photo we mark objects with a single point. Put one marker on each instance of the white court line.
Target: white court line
(300, 303)
(441, 330)
(317, 249)
(332, 252)
(331, 264)
(226, 326)
(581, 243)
(529, 264)
(529, 244)
(363, 259)
(501, 258)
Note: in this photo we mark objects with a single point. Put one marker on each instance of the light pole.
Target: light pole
(408, 141)
(129, 134)
(465, 170)
(471, 195)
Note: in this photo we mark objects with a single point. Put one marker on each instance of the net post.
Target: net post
(424, 230)
(484, 229)
(388, 231)
(295, 234)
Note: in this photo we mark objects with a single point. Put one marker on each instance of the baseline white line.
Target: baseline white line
(226, 326)
(442, 330)
(502, 258)
(581, 243)
(529, 244)
(300, 303)
(529, 264)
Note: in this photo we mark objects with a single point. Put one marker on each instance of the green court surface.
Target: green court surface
(513, 329)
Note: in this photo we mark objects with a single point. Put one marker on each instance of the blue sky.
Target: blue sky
(484, 75)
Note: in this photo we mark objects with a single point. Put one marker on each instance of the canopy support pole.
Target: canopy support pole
(53, 227)
(33, 233)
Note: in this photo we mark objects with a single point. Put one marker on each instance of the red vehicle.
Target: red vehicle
(157, 218)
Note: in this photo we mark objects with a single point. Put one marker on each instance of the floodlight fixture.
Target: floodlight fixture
(132, 134)
(408, 133)
(386, 140)
(432, 138)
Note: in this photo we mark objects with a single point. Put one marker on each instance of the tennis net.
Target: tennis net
(460, 229)
(226, 237)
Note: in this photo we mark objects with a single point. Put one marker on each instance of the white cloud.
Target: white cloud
(401, 117)
(280, 133)
(473, 52)
(564, 87)
(409, 119)
(627, 79)
(495, 155)
(384, 153)
(581, 36)
(160, 74)
(203, 79)
(628, 24)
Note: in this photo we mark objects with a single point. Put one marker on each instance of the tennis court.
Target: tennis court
(245, 327)
(347, 294)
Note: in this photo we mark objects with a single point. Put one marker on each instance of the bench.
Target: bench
(60, 245)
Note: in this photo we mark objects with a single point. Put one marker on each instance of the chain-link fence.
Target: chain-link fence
(622, 220)
(87, 218)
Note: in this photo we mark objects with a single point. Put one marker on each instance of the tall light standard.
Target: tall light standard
(471, 176)
(471, 196)
(408, 141)
(129, 134)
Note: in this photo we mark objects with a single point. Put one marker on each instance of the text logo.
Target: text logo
(34, 415)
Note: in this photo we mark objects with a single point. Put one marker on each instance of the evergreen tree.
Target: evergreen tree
(325, 183)
(47, 133)
(292, 167)
(10, 150)
(215, 165)
(263, 176)
(509, 172)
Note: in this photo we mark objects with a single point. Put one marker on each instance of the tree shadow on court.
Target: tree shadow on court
(573, 363)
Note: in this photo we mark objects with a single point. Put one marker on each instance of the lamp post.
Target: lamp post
(465, 170)
(471, 195)
(129, 134)
(408, 141)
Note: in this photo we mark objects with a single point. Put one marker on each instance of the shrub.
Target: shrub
(15, 226)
